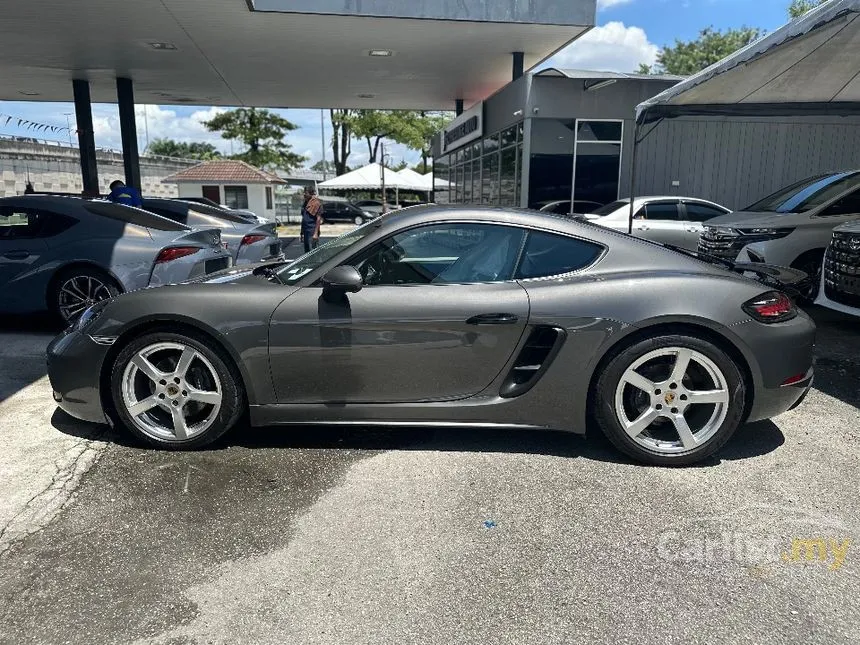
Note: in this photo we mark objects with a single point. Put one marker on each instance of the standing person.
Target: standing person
(312, 215)
(122, 194)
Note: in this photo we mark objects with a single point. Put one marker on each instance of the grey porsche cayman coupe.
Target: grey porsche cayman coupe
(449, 316)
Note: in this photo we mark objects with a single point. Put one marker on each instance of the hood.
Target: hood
(848, 227)
(744, 219)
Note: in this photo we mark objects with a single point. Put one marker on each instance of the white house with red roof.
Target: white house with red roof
(230, 182)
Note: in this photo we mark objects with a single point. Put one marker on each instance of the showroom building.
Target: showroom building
(548, 136)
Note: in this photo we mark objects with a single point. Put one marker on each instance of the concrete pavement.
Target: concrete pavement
(456, 536)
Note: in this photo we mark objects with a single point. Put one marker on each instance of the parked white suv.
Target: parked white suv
(840, 277)
(670, 220)
(790, 228)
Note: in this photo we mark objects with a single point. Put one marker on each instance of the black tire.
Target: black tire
(810, 263)
(59, 299)
(608, 381)
(232, 391)
(358, 220)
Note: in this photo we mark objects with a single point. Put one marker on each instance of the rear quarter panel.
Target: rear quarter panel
(600, 311)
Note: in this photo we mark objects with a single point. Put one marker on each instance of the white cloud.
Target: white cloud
(606, 4)
(156, 122)
(612, 47)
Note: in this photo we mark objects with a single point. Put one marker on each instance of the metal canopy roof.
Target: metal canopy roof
(280, 53)
(587, 74)
(811, 65)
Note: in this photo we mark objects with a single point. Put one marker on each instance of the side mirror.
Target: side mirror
(343, 279)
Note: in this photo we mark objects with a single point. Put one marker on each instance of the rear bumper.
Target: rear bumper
(74, 367)
(780, 353)
(771, 402)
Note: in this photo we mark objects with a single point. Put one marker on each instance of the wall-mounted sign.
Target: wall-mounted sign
(465, 128)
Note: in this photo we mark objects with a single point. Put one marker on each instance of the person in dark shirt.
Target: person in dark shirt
(312, 215)
(122, 194)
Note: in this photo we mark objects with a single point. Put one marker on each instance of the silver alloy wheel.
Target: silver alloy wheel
(78, 293)
(359, 220)
(695, 386)
(164, 397)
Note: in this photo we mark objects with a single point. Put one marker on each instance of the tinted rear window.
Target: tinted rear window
(611, 208)
(133, 216)
(198, 207)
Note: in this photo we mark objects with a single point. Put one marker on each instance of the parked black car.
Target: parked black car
(337, 211)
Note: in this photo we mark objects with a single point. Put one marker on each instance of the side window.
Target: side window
(701, 212)
(848, 205)
(662, 211)
(442, 254)
(27, 224)
(548, 254)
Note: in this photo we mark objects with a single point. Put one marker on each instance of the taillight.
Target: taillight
(771, 307)
(251, 239)
(174, 253)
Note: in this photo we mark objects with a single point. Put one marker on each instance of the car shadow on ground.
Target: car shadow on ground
(751, 440)
(837, 369)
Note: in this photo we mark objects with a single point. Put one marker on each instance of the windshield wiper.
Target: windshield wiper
(270, 272)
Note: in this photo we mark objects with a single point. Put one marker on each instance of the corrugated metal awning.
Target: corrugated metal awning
(811, 65)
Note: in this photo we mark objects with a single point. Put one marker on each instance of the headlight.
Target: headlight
(721, 231)
(90, 314)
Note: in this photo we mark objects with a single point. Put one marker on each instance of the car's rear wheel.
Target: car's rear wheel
(76, 289)
(173, 391)
(670, 400)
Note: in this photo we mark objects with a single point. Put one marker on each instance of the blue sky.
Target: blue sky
(628, 32)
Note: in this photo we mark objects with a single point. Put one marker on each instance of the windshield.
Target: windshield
(610, 208)
(299, 268)
(807, 194)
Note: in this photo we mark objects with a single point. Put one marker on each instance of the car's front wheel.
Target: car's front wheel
(173, 391)
(670, 400)
(358, 220)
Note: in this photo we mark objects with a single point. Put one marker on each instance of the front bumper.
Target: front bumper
(74, 368)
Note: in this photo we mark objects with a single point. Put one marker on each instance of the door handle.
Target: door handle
(16, 255)
(493, 319)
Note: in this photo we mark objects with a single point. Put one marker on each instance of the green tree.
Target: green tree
(341, 138)
(799, 7)
(183, 149)
(328, 166)
(422, 127)
(685, 58)
(263, 132)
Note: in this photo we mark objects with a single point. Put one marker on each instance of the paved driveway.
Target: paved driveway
(364, 536)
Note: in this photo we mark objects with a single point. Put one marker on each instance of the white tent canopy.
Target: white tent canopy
(425, 181)
(369, 178)
(811, 65)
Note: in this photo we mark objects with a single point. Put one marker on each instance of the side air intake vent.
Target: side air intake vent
(540, 349)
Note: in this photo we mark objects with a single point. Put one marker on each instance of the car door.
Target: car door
(695, 215)
(22, 249)
(438, 318)
(660, 221)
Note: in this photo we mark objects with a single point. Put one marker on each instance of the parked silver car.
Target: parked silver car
(670, 220)
(246, 242)
(64, 253)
